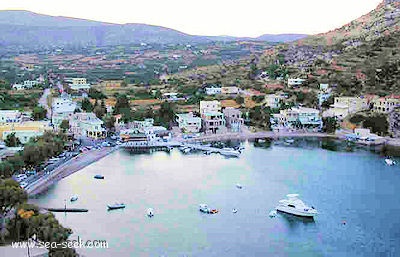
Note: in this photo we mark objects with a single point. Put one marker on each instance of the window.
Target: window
(291, 205)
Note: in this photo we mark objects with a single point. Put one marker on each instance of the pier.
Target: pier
(66, 210)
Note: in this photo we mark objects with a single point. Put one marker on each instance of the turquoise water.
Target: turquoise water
(355, 187)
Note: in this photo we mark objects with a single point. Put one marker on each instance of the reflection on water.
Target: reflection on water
(294, 221)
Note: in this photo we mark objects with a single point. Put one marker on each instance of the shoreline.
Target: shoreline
(68, 168)
(385, 141)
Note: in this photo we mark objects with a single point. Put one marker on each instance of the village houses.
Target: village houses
(233, 118)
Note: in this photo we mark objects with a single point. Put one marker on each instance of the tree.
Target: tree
(64, 126)
(122, 103)
(11, 196)
(330, 124)
(328, 102)
(165, 114)
(239, 100)
(39, 113)
(378, 124)
(12, 141)
(96, 94)
(87, 105)
(110, 122)
(99, 112)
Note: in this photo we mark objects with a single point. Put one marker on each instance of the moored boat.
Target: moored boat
(204, 208)
(116, 206)
(229, 153)
(99, 176)
(293, 205)
(150, 212)
(74, 198)
(389, 162)
(239, 186)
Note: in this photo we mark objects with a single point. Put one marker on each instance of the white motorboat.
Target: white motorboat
(261, 140)
(389, 162)
(185, 149)
(74, 198)
(230, 153)
(204, 208)
(293, 205)
(289, 141)
(150, 212)
(239, 186)
(234, 210)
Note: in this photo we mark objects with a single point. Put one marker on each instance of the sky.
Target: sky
(250, 18)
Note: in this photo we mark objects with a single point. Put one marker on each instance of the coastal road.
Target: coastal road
(67, 168)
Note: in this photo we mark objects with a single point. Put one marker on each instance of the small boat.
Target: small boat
(185, 149)
(204, 208)
(230, 153)
(234, 210)
(293, 205)
(239, 186)
(150, 212)
(261, 141)
(214, 211)
(99, 177)
(389, 162)
(272, 214)
(74, 198)
(116, 206)
(289, 141)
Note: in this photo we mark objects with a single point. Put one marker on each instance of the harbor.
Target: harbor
(243, 192)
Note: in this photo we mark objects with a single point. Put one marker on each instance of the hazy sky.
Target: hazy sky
(210, 17)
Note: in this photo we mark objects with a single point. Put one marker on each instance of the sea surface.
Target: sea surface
(356, 194)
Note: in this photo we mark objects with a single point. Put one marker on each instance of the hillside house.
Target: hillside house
(233, 119)
(188, 123)
(385, 104)
(295, 82)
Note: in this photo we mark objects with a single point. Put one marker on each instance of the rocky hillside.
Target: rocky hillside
(361, 56)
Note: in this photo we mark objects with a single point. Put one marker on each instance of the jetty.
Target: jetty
(150, 146)
(66, 210)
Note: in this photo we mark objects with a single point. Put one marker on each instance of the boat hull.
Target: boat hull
(296, 212)
(115, 207)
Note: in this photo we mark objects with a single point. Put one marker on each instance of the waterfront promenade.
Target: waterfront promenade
(67, 168)
(255, 135)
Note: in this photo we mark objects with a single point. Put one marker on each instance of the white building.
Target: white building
(87, 125)
(273, 101)
(210, 106)
(295, 82)
(18, 87)
(30, 83)
(233, 90)
(188, 123)
(79, 84)
(62, 108)
(213, 90)
(8, 116)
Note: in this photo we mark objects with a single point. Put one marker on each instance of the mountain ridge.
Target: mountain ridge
(49, 30)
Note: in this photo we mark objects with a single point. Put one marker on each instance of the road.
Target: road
(43, 102)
